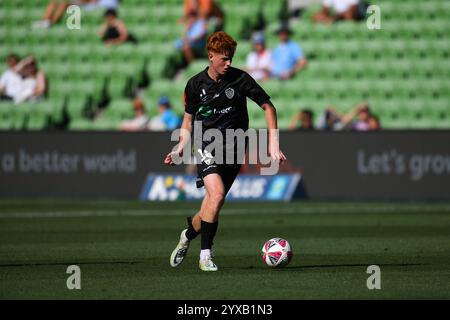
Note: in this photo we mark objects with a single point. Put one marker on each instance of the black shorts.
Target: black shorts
(227, 172)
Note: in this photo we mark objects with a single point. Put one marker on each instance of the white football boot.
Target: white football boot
(180, 251)
(206, 264)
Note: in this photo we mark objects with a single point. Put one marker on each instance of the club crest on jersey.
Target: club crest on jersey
(229, 93)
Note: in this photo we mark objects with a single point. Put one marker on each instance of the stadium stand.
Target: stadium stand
(402, 70)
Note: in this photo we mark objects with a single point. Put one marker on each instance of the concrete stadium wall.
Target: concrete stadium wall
(391, 165)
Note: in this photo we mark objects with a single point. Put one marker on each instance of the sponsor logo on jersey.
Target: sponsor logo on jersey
(226, 110)
(205, 111)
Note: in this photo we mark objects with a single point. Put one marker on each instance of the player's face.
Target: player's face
(220, 62)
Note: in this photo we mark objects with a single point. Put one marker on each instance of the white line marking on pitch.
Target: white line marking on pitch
(237, 211)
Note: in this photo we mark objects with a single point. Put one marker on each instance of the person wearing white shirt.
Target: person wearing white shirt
(140, 121)
(334, 10)
(10, 81)
(33, 86)
(259, 61)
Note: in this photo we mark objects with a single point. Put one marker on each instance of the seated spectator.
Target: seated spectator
(259, 61)
(167, 120)
(23, 81)
(335, 10)
(287, 57)
(53, 13)
(113, 31)
(330, 120)
(140, 121)
(360, 119)
(192, 45)
(34, 82)
(208, 10)
(374, 123)
(306, 119)
(361, 123)
(10, 81)
(56, 9)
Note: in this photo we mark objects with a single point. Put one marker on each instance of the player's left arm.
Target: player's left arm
(274, 141)
(254, 91)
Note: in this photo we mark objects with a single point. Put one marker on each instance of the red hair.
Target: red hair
(221, 42)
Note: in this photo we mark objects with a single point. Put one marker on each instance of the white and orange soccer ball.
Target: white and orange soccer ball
(277, 252)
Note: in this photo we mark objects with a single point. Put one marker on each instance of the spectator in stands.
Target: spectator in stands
(34, 81)
(208, 10)
(192, 45)
(374, 123)
(359, 119)
(140, 121)
(361, 123)
(56, 9)
(113, 30)
(330, 120)
(288, 57)
(259, 61)
(10, 81)
(335, 10)
(167, 120)
(306, 119)
(53, 13)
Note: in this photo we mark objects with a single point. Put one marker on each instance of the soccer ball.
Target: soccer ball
(277, 252)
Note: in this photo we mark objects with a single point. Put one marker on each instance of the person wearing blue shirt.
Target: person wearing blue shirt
(288, 57)
(168, 117)
(194, 40)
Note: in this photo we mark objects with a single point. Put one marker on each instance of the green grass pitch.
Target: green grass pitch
(123, 249)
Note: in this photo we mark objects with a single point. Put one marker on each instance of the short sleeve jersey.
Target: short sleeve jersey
(222, 105)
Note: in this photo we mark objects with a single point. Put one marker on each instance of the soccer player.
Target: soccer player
(217, 98)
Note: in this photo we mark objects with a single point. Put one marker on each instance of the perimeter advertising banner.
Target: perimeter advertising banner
(398, 165)
(245, 188)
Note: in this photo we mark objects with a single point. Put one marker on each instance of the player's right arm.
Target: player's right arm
(190, 108)
(185, 136)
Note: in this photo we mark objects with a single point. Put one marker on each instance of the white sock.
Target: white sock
(204, 253)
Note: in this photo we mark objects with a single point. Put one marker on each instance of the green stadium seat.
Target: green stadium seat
(81, 125)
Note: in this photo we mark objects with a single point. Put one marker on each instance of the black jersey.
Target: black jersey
(222, 105)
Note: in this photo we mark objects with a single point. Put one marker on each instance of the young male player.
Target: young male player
(217, 97)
